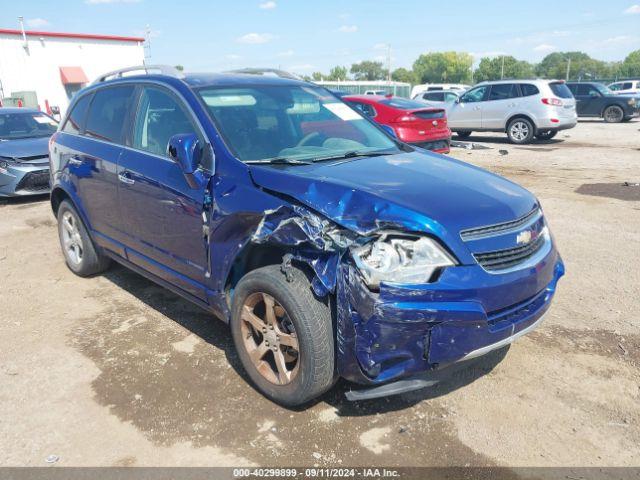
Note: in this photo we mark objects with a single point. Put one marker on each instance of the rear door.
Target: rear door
(467, 113)
(502, 103)
(162, 214)
(91, 154)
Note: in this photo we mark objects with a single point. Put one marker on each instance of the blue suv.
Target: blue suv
(330, 248)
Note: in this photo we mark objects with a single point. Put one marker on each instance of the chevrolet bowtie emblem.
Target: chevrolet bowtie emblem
(523, 237)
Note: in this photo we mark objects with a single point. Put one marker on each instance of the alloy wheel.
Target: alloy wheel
(270, 338)
(71, 239)
(519, 131)
(613, 114)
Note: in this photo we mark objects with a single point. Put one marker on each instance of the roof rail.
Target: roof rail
(273, 72)
(148, 69)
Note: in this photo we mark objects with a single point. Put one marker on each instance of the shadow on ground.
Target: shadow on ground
(169, 368)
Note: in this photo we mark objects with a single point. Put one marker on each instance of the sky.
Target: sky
(304, 36)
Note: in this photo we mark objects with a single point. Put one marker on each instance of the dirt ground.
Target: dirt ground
(115, 370)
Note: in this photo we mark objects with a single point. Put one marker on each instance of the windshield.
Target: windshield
(26, 125)
(267, 122)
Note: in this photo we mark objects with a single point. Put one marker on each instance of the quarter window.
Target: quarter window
(528, 89)
(503, 91)
(160, 116)
(75, 121)
(108, 113)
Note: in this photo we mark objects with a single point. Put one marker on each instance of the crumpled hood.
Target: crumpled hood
(24, 147)
(416, 191)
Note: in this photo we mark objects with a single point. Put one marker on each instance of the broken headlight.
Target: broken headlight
(400, 259)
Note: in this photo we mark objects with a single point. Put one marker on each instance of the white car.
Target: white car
(524, 109)
(626, 87)
(438, 98)
(430, 87)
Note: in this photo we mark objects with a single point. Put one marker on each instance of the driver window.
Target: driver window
(475, 95)
(159, 117)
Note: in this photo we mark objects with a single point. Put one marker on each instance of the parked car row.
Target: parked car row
(329, 247)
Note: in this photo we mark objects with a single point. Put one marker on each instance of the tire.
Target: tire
(546, 134)
(298, 318)
(520, 131)
(613, 114)
(78, 249)
(627, 119)
(464, 134)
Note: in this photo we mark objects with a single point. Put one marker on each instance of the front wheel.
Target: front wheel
(613, 114)
(283, 335)
(546, 135)
(520, 131)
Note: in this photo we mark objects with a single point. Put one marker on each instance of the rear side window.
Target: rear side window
(528, 89)
(108, 113)
(436, 97)
(560, 89)
(503, 91)
(364, 108)
(75, 121)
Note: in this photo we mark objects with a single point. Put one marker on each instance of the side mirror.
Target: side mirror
(593, 94)
(390, 131)
(186, 151)
(458, 100)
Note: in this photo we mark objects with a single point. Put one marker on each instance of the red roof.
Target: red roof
(86, 36)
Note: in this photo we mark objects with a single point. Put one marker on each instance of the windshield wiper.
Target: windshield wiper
(279, 161)
(352, 154)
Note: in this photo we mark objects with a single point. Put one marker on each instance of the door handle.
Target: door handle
(75, 161)
(476, 108)
(125, 178)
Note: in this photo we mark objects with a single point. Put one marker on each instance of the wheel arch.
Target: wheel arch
(520, 115)
(58, 195)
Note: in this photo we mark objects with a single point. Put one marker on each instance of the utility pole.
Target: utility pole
(568, 69)
(389, 63)
(502, 69)
(147, 47)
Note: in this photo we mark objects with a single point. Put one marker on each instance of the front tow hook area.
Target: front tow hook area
(393, 388)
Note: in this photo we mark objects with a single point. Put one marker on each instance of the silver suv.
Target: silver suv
(524, 109)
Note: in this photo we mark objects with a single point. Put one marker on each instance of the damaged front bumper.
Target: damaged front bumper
(404, 330)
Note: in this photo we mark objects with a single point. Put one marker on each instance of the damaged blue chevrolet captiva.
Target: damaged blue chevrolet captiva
(331, 249)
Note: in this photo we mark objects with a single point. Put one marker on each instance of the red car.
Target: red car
(412, 121)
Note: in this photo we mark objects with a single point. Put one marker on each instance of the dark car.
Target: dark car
(594, 99)
(331, 249)
(24, 152)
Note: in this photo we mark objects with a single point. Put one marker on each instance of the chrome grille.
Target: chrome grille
(510, 257)
(499, 228)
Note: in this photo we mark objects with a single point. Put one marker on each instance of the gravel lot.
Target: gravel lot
(114, 370)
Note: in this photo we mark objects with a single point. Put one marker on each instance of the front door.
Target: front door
(467, 113)
(163, 216)
(502, 103)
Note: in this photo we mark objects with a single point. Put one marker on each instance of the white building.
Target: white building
(45, 69)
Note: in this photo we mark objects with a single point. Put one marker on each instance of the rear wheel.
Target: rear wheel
(613, 114)
(520, 130)
(464, 134)
(546, 134)
(283, 335)
(79, 252)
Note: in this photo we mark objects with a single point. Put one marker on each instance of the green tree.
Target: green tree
(582, 66)
(179, 67)
(443, 67)
(338, 73)
(403, 75)
(317, 76)
(368, 70)
(631, 65)
(491, 69)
